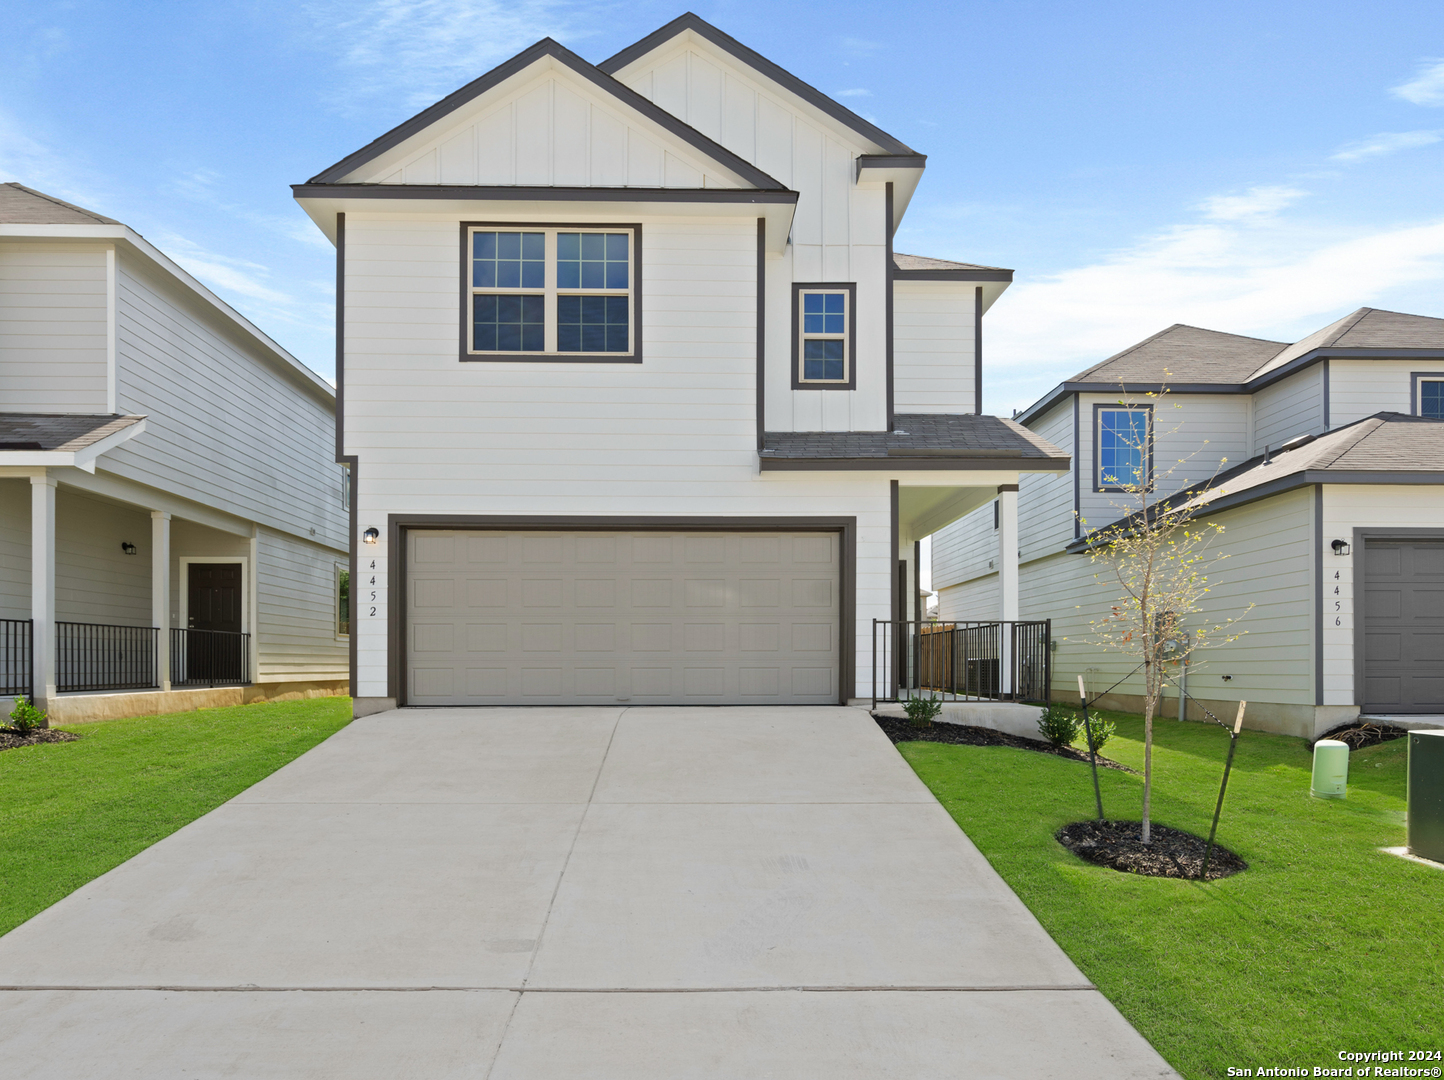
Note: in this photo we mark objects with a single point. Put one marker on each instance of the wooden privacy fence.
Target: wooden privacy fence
(963, 661)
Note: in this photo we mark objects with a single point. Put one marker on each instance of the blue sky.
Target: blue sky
(1256, 168)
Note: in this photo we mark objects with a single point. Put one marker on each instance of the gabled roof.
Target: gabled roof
(1386, 448)
(547, 48)
(59, 431)
(920, 440)
(764, 67)
(1186, 355)
(20, 205)
(1367, 328)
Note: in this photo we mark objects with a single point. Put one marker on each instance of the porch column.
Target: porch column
(1008, 575)
(42, 585)
(160, 593)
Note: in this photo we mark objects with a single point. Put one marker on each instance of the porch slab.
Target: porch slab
(1008, 717)
(118, 705)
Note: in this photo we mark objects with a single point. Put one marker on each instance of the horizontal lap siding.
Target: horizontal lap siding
(979, 600)
(1045, 500)
(933, 352)
(1347, 507)
(672, 436)
(52, 329)
(14, 549)
(1360, 388)
(224, 429)
(963, 550)
(296, 597)
(1292, 407)
(1269, 563)
(95, 581)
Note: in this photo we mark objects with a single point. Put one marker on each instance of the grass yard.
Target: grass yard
(1324, 944)
(71, 811)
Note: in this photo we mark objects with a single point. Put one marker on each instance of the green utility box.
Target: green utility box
(1426, 794)
(1331, 769)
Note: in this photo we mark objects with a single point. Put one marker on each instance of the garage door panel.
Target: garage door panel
(623, 617)
(1403, 614)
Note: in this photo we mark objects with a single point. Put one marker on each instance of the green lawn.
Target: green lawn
(71, 811)
(1324, 944)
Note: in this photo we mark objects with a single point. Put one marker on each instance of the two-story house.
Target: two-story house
(639, 401)
(172, 523)
(1324, 462)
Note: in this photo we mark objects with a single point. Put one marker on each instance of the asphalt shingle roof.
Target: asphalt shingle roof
(58, 431)
(1185, 354)
(20, 205)
(917, 435)
(1367, 328)
(926, 262)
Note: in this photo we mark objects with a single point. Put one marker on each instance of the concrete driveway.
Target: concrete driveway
(559, 893)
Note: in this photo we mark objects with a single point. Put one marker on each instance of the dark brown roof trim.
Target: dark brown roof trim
(909, 463)
(891, 161)
(952, 275)
(1257, 383)
(760, 63)
(522, 60)
(540, 194)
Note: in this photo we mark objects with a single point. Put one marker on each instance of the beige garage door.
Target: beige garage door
(543, 618)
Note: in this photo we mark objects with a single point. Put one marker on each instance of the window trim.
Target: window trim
(1415, 397)
(798, 288)
(464, 274)
(1097, 470)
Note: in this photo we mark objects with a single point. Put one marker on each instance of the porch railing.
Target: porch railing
(962, 661)
(209, 658)
(93, 656)
(17, 657)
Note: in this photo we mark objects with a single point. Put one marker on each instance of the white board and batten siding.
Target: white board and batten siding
(839, 232)
(224, 428)
(53, 328)
(934, 360)
(1291, 407)
(1347, 507)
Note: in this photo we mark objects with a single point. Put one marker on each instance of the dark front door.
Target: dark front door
(1404, 626)
(215, 597)
(214, 650)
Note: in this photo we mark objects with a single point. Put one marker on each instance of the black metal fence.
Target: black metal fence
(963, 661)
(17, 657)
(93, 656)
(209, 658)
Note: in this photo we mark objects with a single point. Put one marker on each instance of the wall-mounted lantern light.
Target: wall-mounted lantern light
(1341, 547)
(370, 536)
(127, 547)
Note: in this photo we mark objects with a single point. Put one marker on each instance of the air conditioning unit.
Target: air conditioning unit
(1426, 794)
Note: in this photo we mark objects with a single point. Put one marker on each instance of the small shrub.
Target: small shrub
(25, 717)
(1059, 726)
(1103, 730)
(922, 711)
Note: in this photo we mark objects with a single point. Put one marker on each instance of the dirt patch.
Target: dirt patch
(1359, 735)
(10, 739)
(900, 730)
(1171, 853)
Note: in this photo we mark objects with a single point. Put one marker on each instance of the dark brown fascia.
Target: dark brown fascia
(763, 66)
(952, 275)
(489, 193)
(908, 463)
(891, 161)
(520, 62)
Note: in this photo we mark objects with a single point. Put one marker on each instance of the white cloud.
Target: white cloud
(1386, 142)
(1426, 88)
(858, 92)
(1257, 202)
(1259, 277)
(33, 162)
(422, 50)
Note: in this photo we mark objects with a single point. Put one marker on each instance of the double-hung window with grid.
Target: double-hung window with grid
(825, 327)
(1124, 447)
(551, 293)
(1431, 397)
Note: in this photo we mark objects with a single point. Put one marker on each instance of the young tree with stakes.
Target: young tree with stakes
(1157, 555)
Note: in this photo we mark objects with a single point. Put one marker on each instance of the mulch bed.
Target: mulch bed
(1172, 852)
(1359, 735)
(900, 730)
(10, 738)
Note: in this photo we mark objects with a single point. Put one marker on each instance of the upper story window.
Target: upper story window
(824, 334)
(551, 293)
(1123, 445)
(345, 486)
(1429, 395)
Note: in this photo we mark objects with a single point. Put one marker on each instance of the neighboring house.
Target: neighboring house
(171, 516)
(1332, 497)
(641, 405)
